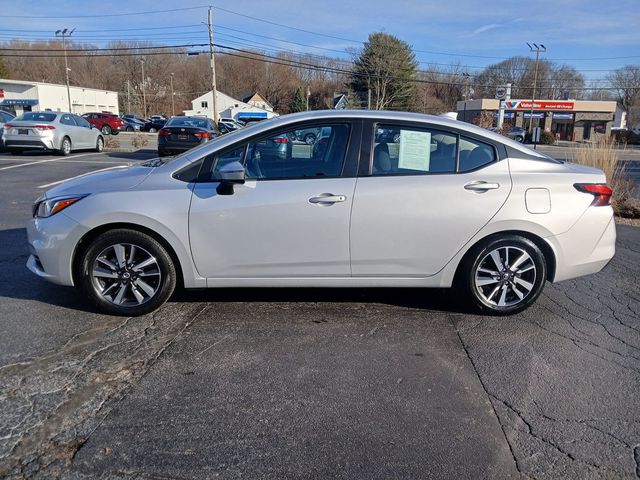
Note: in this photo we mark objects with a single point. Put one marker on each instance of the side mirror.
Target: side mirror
(231, 174)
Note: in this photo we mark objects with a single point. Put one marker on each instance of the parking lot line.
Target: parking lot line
(47, 185)
(48, 160)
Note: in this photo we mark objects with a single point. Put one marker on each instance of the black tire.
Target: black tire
(115, 132)
(309, 139)
(519, 139)
(99, 144)
(152, 130)
(162, 153)
(106, 130)
(129, 129)
(144, 243)
(65, 147)
(507, 280)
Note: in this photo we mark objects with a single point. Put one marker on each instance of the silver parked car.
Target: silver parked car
(4, 118)
(57, 131)
(449, 204)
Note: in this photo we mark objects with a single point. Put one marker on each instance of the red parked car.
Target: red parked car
(108, 123)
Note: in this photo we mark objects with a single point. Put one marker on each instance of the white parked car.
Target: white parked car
(448, 204)
(57, 131)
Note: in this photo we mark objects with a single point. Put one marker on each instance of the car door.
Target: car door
(72, 131)
(87, 133)
(290, 218)
(424, 194)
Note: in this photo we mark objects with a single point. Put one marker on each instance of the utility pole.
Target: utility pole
(66, 34)
(308, 95)
(537, 49)
(128, 97)
(144, 98)
(213, 66)
(173, 107)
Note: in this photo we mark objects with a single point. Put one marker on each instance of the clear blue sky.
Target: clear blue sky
(466, 32)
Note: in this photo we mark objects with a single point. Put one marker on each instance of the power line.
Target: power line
(107, 14)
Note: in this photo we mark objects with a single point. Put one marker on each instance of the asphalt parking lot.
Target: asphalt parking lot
(311, 383)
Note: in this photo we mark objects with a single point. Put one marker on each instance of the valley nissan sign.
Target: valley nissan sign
(539, 105)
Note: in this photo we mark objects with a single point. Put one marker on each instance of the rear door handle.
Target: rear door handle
(480, 186)
(327, 199)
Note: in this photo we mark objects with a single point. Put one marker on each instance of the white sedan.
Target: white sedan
(436, 203)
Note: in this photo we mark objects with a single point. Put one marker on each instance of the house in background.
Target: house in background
(229, 107)
(256, 100)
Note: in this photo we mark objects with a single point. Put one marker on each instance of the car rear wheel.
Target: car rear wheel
(129, 129)
(519, 139)
(503, 275)
(65, 147)
(126, 272)
(99, 144)
(106, 130)
(152, 130)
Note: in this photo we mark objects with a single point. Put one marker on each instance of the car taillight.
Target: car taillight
(164, 133)
(203, 134)
(44, 127)
(8, 125)
(281, 140)
(601, 192)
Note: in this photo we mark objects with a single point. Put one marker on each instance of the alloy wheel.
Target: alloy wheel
(66, 146)
(125, 274)
(505, 277)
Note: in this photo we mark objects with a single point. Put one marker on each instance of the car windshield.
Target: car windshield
(37, 117)
(188, 122)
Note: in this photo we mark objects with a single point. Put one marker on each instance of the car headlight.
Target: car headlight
(50, 206)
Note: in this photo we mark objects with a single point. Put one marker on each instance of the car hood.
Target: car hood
(108, 180)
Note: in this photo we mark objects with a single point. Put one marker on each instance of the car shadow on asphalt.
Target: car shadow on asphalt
(133, 156)
(19, 283)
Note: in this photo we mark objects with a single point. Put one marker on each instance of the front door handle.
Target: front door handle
(481, 186)
(327, 199)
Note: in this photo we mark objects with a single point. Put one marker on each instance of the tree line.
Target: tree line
(383, 74)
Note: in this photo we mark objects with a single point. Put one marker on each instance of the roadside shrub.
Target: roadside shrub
(547, 138)
(139, 141)
(604, 154)
(110, 142)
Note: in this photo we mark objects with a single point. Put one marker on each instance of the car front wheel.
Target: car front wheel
(503, 275)
(126, 272)
(99, 144)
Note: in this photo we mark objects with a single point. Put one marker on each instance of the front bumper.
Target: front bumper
(52, 243)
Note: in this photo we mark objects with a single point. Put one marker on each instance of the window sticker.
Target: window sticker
(415, 150)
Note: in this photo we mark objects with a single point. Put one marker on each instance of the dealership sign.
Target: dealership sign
(539, 105)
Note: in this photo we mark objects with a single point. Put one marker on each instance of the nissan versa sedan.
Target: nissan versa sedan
(447, 205)
(57, 131)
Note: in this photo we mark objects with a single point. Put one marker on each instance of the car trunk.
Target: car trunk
(187, 135)
(28, 128)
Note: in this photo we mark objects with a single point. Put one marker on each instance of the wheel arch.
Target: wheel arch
(94, 233)
(543, 245)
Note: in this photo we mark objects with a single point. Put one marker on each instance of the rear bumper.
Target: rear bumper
(168, 146)
(587, 247)
(12, 143)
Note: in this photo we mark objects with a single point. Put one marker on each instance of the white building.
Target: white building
(229, 107)
(19, 96)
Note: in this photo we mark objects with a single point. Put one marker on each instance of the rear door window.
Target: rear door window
(413, 151)
(475, 154)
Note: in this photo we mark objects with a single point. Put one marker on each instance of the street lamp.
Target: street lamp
(65, 34)
(144, 98)
(173, 107)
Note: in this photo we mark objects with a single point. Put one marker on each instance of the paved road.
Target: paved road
(312, 383)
